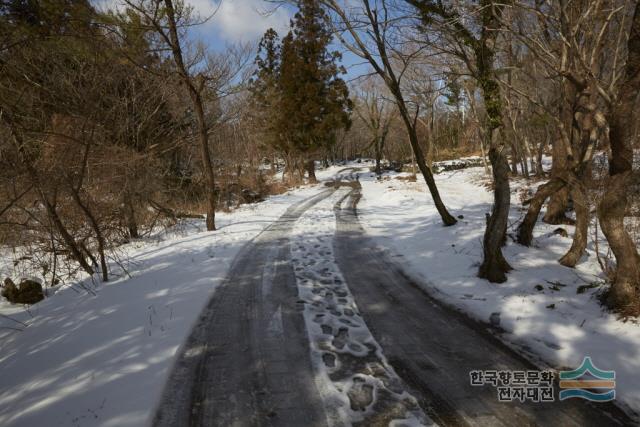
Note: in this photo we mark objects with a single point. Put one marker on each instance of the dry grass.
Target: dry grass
(630, 312)
(408, 178)
(456, 153)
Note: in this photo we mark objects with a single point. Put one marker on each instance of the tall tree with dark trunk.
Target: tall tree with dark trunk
(306, 99)
(315, 100)
(371, 29)
(195, 87)
(478, 52)
(625, 288)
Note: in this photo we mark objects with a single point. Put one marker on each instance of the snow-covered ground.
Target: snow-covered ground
(547, 311)
(101, 360)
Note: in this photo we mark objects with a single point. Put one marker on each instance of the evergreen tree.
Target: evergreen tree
(315, 99)
(308, 101)
(264, 88)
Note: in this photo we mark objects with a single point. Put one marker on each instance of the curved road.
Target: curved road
(247, 360)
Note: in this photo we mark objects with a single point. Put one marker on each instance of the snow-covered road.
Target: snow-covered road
(434, 347)
(295, 316)
(354, 378)
(247, 360)
(316, 326)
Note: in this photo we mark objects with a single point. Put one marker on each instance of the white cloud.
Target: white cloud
(242, 20)
(108, 4)
(232, 20)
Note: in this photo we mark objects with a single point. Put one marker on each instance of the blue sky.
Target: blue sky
(230, 20)
(239, 20)
(245, 21)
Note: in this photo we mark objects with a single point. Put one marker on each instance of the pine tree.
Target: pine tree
(315, 99)
(264, 88)
(308, 102)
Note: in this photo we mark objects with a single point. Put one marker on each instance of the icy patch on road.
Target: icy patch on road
(355, 380)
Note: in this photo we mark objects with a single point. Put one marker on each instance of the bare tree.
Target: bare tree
(377, 114)
(576, 57)
(370, 31)
(477, 50)
(423, 91)
(169, 23)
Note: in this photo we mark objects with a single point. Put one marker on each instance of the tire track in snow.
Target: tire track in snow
(246, 360)
(357, 384)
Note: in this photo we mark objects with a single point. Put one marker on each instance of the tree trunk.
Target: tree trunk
(483, 151)
(287, 169)
(611, 211)
(529, 157)
(432, 136)
(96, 229)
(447, 218)
(514, 159)
(543, 143)
(525, 229)
(393, 83)
(206, 159)
(494, 266)
(378, 148)
(557, 208)
(88, 254)
(196, 100)
(130, 216)
(311, 171)
(579, 244)
(69, 241)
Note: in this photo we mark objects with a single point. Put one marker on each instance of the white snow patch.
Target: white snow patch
(555, 326)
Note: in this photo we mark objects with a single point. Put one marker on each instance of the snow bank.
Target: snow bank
(547, 311)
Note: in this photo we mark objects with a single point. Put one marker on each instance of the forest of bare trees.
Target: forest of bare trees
(114, 123)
